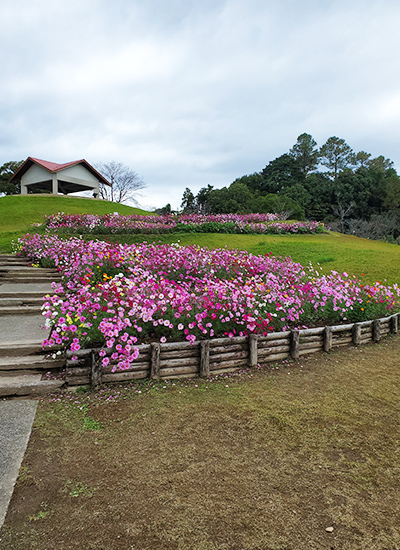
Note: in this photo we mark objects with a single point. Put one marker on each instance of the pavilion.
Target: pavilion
(42, 176)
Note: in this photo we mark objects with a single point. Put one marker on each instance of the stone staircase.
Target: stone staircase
(25, 370)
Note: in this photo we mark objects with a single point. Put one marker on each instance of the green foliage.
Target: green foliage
(336, 155)
(6, 172)
(253, 182)
(90, 424)
(78, 489)
(305, 153)
(279, 174)
(188, 202)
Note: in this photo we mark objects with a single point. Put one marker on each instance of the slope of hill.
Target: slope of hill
(18, 212)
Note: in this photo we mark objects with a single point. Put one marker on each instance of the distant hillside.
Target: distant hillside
(17, 212)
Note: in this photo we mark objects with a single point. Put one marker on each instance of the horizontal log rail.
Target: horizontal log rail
(219, 355)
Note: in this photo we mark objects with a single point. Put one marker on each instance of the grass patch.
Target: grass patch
(17, 212)
(367, 259)
(78, 489)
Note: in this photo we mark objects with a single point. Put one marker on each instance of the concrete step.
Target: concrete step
(18, 279)
(28, 385)
(19, 310)
(9, 263)
(13, 260)
(27, 269)
(25, 297)
(15, 329)
(30, 362)
(21, 349)
(16, 301)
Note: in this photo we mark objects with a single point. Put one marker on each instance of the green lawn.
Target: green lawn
(17, 212)
(376, 260)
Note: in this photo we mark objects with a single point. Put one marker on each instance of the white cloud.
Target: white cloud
(194, 93)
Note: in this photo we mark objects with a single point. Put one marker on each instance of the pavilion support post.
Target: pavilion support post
(55, 185)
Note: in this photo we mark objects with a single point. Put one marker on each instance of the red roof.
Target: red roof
(53, 167)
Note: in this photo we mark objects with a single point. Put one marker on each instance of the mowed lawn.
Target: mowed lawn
(369, 260)
(269, 459)
(18, 212)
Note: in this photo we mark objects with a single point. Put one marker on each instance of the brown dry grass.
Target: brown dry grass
(265, 460)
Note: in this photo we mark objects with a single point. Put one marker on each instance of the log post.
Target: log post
(294, 344)
(95, 371)
(253, 355)
(394, 323)
(376, 330)
(204, 370)
(327, 339)
(155, 350)
(356, 330)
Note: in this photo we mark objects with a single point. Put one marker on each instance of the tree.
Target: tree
(361, 159)
(298, 193)
(188, 201)
(342, 211)
(283, 205)
(320, 189)
(305, 153)
(279, 174)
(253, 181)
(392, 199)
(164, 210)
(336, 155)
(380, 164)
(125, 183)
(6, 171)
(237, 199)
(202, 197)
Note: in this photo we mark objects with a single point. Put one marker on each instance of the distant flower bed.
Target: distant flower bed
(219, 223)
(116, 295)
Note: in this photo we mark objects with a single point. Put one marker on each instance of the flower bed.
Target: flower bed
(221, 223)
(116, 296)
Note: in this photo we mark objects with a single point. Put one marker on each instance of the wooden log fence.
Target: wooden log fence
(223, 355)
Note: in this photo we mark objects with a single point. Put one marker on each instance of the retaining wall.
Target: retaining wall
(223, 355)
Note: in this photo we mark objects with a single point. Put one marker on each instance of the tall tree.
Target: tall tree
(305, 153)
(380, 164)
(202, 197)
(392, 198)
(279, 174)
(125, 183)
(6, 171)
(336, 155)
(361, 159)
(188, 201)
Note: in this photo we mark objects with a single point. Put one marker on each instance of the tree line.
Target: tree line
(333, 184)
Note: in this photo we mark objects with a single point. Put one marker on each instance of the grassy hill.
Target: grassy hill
(17, 212)
(377, 260)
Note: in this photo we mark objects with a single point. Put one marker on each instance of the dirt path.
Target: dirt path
(266, 460)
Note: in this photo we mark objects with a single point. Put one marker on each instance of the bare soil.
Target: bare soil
(267, 459)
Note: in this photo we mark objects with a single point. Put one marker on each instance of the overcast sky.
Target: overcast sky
(196, 92)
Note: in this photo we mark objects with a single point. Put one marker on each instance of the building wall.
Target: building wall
(77, 171)
(35, 174)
